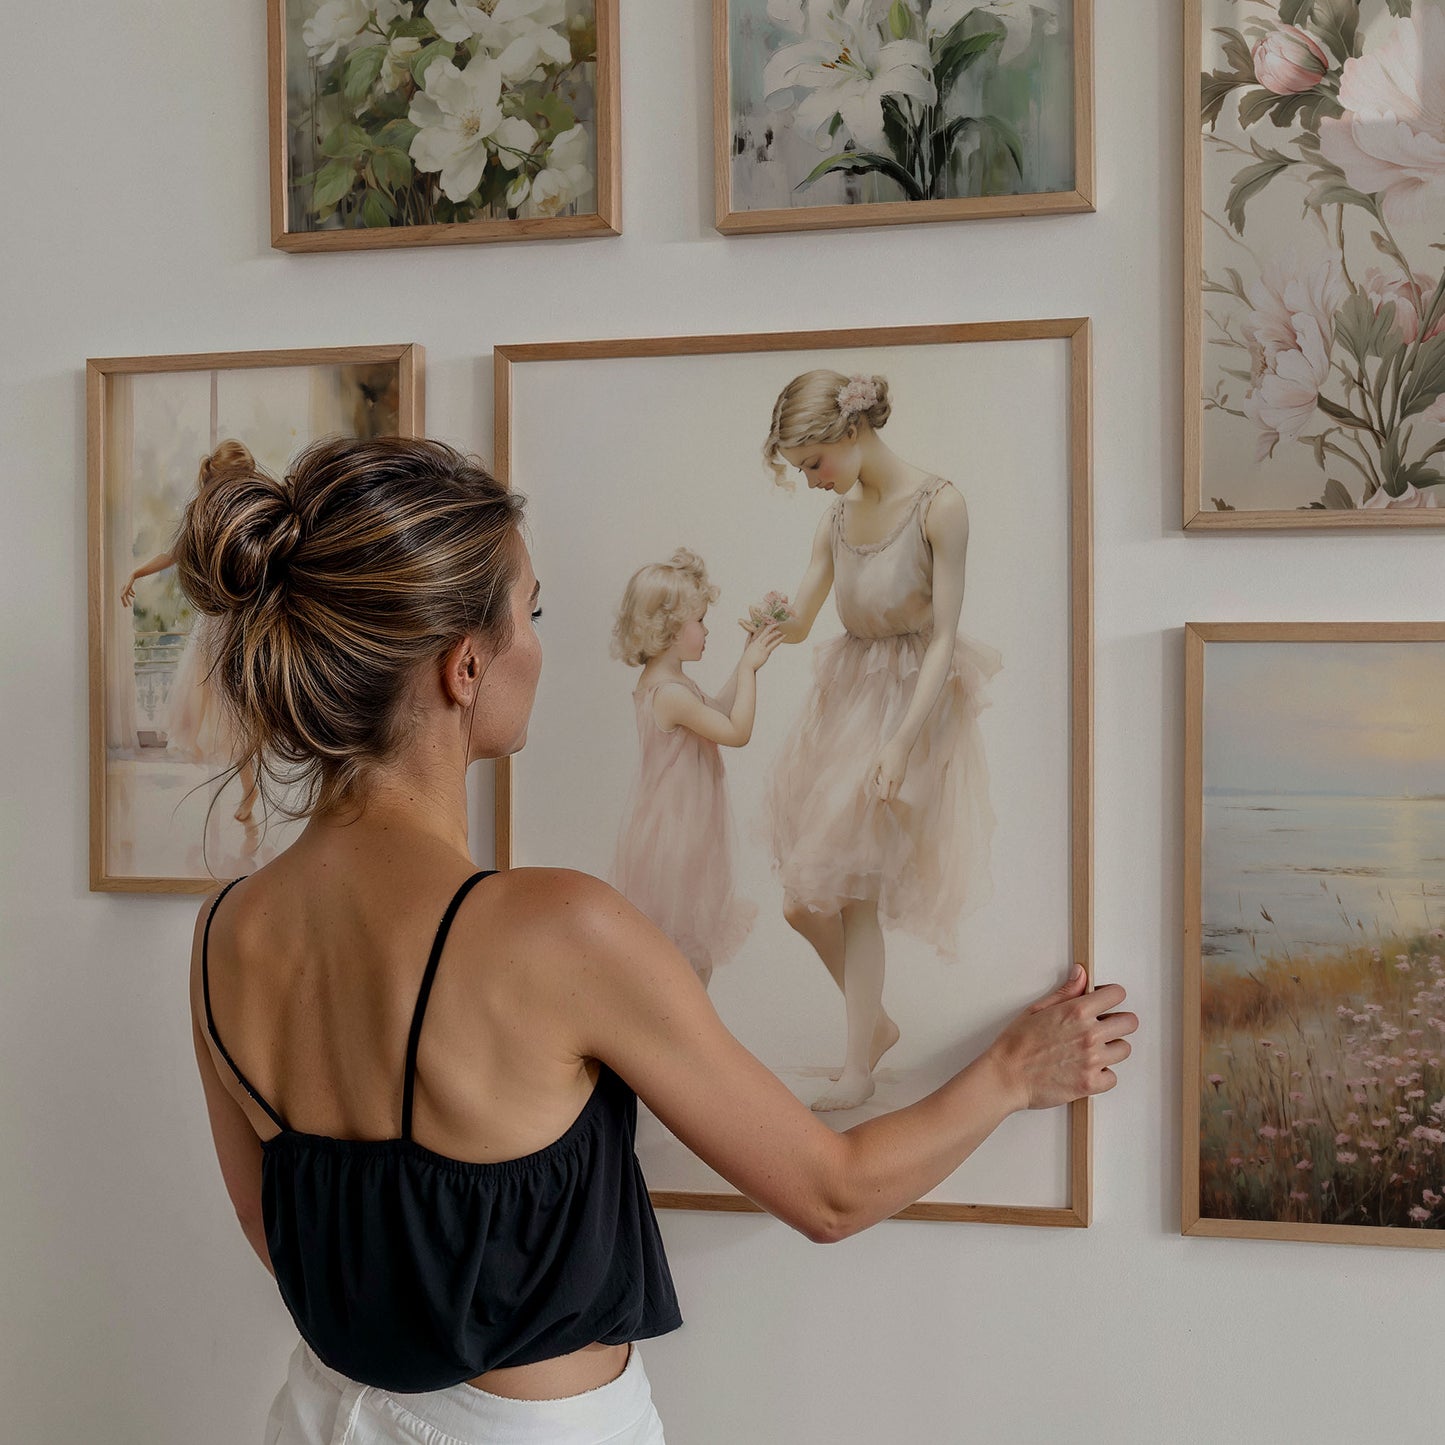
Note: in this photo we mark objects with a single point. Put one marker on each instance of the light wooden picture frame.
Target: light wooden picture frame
(1011, 134)
(657, 445)
(1314, 933)
(514, 136)
(157, 739)
(1314, 290)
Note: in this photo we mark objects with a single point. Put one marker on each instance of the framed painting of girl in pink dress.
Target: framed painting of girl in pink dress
(160, 748)
(817, 699)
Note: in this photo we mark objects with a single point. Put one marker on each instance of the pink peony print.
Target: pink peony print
(1391, 140)
(1287, 61)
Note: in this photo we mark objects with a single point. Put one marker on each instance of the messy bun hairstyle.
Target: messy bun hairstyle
(656, 602)
(328, 586)
(811, 408)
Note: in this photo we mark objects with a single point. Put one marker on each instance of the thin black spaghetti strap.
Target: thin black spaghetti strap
(409, 1076)
(210, 1020)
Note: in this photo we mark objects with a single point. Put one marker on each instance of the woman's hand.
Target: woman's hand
(760, 646)
(127, 593)
(1064, 1046)
(889, 770)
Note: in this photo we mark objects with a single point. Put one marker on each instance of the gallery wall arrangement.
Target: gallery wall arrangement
(1314, 1027)
(1314, 378)
(158, 740)
(995, 830)
(394, 124)
(831, 113)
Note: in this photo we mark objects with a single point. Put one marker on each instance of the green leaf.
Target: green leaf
(1343, 414)
(347, 142)
(857, 162)
(1255, 106)
(1426, 378)
(333, 181)
(993, 127)
(549, 115)
(954, 52)
(437, 50)
(392, 169)
(396, 135)
(1294, 12)
(1337, 23)
(1236, 52)
(900, 20)
(376, 210)
(1250, 182)
(1215, 89)
(1419, 475)
(1337, 497)
(360, 72)
(1400, 8)
(1363, 332)
(1333, 192)
(418, 26)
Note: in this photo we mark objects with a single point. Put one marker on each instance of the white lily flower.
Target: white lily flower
(567, 176)
(457, 113)
(335, 24)
(846, 70)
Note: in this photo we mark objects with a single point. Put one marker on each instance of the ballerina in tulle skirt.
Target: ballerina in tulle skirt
(674, 857)
(878, 802)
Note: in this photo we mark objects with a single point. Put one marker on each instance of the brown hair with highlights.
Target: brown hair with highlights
(329, 587)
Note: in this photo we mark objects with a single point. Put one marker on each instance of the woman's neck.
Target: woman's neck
(883, 474)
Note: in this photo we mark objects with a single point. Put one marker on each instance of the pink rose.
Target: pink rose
(1381, 289)
(1288, 61)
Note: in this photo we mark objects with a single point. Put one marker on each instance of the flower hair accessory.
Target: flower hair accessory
(860, 394)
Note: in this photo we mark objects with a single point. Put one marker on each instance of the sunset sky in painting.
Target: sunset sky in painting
(1329, 717)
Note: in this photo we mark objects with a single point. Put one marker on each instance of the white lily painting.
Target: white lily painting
(1322, 261)
(408, 114)
(865, 103)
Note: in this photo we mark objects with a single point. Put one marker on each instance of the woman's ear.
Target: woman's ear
(461, 671)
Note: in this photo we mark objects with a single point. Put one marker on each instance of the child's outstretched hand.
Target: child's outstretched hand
(760, 646)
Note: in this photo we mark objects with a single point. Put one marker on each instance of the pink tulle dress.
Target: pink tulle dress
(674, 857)
(924, 855)
(195, 726)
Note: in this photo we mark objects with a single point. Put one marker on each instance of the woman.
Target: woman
(484, 1271)
(878, 800)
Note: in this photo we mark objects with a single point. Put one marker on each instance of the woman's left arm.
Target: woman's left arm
(946, 529)
(238, 1150)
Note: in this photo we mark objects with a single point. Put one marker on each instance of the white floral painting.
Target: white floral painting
(1323, 278)
(402, 114)
(858, 102)
(164, 752)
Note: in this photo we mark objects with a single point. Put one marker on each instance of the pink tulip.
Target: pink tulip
(1288, 61)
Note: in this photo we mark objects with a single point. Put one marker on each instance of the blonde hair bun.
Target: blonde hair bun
(820, 406)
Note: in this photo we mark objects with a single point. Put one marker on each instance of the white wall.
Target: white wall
(131, 1309)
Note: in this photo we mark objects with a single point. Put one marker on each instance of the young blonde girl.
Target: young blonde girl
(195, 722)
(878, 800)
(674, 848)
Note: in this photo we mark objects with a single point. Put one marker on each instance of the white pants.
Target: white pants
(318, 1406)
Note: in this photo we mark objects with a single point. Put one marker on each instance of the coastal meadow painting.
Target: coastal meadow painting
(1314, 263)
(869, 112)
(159, 742)
(1314, 1025)
(730, 789)
(430, 122)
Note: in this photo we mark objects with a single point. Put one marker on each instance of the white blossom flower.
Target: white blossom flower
(1391, 140)
(566, 176)
(395, 64)
(333, 25)
(457, 113)
(1289, 332)
(846, 70)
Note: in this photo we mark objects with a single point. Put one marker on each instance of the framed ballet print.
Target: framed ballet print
(1314, 941)
(830, 113)
(1314, 305)
(818, 742)
(402, 123)
(168, 811)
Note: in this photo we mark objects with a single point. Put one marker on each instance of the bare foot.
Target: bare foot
(853, 1089)
(884, 1037)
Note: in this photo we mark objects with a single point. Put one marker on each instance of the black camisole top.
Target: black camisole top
(412, 1271)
